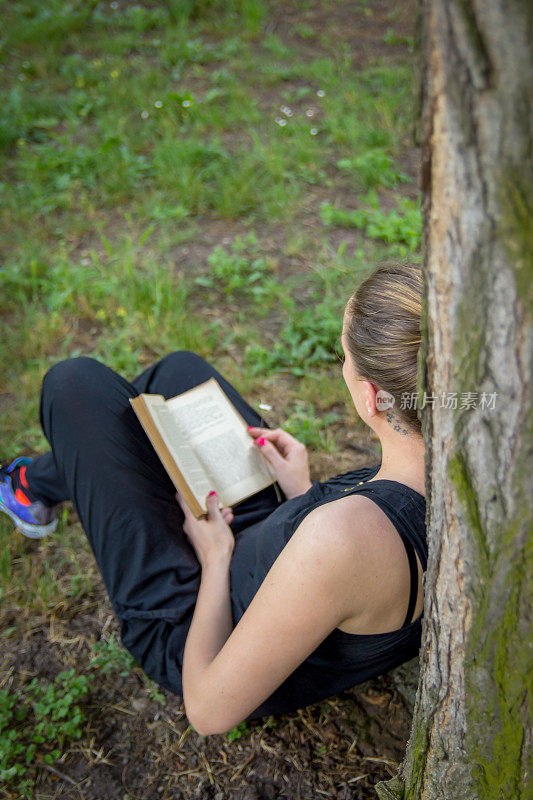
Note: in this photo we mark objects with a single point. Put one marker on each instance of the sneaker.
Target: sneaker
(33, 519)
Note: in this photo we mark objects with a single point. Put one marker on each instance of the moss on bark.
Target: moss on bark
(497, 651)
(409, 787)
(515, 229)
(391, 790)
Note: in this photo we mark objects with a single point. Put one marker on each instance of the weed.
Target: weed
(111, 656)
(311, 428)
(373, 168)
(152, 690)
(304, 30)
(54, 174)
(248, 14)
(204, 176)
(80, 585)
(308, 340)
(164, 212)
(240, 270)
(23, 115)
(276, 47)
(36, 722)
(402, 225)
(393, 38)
(252, 14)
(239, 730)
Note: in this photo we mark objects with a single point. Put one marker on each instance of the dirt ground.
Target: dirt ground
(137, 748)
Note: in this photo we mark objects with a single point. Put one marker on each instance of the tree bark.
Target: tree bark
(471, 733)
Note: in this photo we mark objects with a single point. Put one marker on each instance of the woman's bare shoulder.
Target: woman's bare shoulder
(356, 545)
(348, 521)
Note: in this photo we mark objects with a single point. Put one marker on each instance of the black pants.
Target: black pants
(102, 461)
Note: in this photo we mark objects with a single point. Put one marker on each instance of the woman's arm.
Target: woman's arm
(212, 620)
(306, 594)
(211, 624)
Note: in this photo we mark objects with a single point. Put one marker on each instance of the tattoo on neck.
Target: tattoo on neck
(396, 423)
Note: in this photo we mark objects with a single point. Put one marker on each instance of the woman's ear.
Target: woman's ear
(370, 397)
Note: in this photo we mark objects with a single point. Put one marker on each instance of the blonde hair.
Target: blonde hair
(383, 333)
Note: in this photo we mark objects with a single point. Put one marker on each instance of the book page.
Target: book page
(175, 438)
(218, 435)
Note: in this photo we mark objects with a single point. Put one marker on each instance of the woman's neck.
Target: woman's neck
(403, 460)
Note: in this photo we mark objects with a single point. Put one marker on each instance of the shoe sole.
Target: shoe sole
(29, 530)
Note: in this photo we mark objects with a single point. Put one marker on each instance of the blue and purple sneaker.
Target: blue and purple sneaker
(31, 517)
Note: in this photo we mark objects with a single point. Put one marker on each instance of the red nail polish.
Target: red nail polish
(260, 441)
(211, 494)
(250, 427)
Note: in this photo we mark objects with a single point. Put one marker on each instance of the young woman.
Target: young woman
(270, 606)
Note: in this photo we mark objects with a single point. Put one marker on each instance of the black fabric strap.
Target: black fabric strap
(413, 594)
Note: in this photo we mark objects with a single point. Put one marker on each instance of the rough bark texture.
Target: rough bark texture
(471, 734)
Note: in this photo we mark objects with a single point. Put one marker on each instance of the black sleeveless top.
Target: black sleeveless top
(343, 659)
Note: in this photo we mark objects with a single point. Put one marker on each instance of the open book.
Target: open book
(203, 444)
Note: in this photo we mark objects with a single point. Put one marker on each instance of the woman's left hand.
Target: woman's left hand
(212, 538)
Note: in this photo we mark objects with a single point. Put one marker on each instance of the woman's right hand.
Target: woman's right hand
(288, 458)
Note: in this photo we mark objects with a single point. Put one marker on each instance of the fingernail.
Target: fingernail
(260, 441)
(250, 428)
(211, 494)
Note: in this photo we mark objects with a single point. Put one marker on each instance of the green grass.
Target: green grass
(96, 127)
(176, 175)
(121, 132)
(128, 133)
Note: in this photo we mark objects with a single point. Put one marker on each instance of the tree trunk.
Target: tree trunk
(471, 734)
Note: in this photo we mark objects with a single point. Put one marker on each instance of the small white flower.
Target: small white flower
(309, 112)
(265, 407)
(145, 114)
(114, 5)
(286, 110)
(158, 104)
(313, 131)
(321, 93)
(186, 103)
(281, 122)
